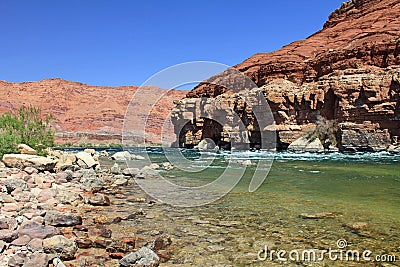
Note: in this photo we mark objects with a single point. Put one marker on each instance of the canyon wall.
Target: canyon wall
(336, 90)
(85, 113)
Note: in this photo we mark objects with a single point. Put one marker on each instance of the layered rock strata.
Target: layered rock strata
(340, 85)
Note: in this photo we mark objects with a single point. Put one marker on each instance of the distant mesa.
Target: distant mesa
(85, 113)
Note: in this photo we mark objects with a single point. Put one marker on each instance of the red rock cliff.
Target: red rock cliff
(346, 74)
(85, 113)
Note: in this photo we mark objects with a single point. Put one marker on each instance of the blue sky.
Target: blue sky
(124, 42)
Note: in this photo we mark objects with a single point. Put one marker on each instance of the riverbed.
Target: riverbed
(307, 201)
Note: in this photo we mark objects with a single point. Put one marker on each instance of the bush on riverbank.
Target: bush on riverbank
(25, 126)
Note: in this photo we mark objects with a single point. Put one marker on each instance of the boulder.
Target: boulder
(36, 230)
(64, 176)
(61, 246)
(357, 226)
(22, 160)
(56, 218)
(87, 159)
(125, 155)
(304, 144)
(131, 172)
(315, 146)
(120, 156)
(154, 166)
(37, 259)
(25, 149)
(206, 144)
(394, 149)
(121, 181)
(161, 243)
(65, 160)
(90, 151)
(58, 263)
(147, 172)
(36, 244)
(115, 169)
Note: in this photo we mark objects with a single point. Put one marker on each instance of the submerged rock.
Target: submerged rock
(61, 246)
(357, 226)
(144, 257)
(36, 230)
(321, 215)
(99, 200)
(38, 259)
(56, 218)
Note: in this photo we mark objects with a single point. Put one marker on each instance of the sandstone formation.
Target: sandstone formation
(340, 85)
(24, 160)
(85, 113)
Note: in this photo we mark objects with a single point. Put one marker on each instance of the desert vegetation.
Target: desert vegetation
(28, 126)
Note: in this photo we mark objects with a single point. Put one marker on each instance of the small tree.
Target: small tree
(25, 126)
(326, 130)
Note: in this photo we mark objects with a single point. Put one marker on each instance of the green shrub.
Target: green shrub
(25, 126)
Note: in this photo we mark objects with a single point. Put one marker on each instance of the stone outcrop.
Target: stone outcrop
(23, 160)
(341, 85)
(25, 149)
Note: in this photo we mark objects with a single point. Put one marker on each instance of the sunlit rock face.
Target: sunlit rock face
(340, 85)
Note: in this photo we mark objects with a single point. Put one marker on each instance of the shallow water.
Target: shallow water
(232, 230)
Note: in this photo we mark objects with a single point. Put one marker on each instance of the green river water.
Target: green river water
(358, 188)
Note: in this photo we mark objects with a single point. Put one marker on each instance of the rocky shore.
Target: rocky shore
(44, 205)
